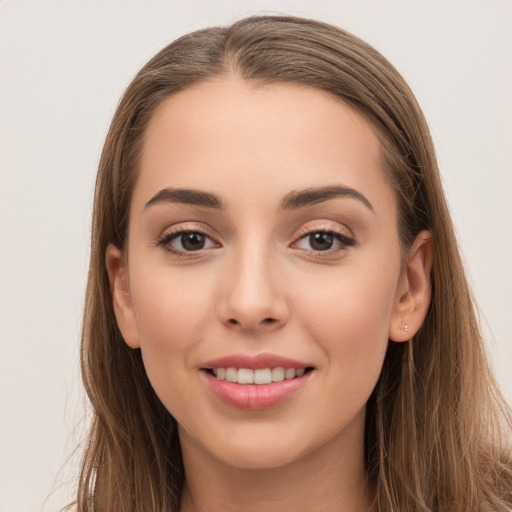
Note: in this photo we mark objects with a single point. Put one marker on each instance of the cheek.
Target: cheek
(170, 307)
(171, 312)
(348, 318)
(352, 303)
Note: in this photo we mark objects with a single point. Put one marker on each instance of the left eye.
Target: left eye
(323, 241)
(188, 241)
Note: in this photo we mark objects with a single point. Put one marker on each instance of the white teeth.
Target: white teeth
(277, 374)
(261, 376)
(290, 373)
(231, 374)
(246, 376)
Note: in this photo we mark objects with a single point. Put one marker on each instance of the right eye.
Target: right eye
(183, 242)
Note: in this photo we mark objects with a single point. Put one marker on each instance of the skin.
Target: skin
(259, 286)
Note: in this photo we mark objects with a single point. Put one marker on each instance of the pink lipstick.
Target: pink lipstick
(255, 382)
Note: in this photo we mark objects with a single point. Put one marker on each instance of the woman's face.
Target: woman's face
(262, 240)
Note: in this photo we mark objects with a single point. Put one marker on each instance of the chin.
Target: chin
(256, 457)
(268, 446)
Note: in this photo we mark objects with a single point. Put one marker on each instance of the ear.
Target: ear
(414, 290)
(121, 298)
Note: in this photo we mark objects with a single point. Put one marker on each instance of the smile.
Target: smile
(256, 382)
(260, 376)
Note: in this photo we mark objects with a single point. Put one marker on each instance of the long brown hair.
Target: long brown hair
(437, 427)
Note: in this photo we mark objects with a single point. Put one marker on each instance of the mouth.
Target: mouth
(255, 389)
(261, 376)
(256, 382)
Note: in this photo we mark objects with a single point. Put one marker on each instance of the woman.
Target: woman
(277, 316)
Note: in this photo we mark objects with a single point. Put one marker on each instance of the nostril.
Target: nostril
(265, 321)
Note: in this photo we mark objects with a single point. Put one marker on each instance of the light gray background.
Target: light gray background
(63, 68)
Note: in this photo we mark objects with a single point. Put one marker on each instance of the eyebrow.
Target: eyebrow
(187, 196)
(310, 196)
(291, 201)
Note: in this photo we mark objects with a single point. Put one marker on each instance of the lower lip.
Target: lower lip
(255, 396)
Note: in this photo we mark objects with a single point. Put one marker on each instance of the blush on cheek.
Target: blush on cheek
(164, 360)
(168, 333)
(351, 324)
(172, 313)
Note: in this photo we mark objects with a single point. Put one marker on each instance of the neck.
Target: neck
(331, 477)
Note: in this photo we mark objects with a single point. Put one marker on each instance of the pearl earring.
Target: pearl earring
(406, 328)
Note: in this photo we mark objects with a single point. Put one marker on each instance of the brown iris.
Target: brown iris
(321, 241)
(192, 241)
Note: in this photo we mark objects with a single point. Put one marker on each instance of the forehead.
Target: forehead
(267, 138)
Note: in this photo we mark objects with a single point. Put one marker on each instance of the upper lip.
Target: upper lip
(256, 362)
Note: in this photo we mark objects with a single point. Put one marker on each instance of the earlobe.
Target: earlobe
(121, 298)
(414, 290)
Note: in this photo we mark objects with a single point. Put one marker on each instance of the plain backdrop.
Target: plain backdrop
(63, 67)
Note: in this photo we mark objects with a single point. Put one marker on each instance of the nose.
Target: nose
(253, 298)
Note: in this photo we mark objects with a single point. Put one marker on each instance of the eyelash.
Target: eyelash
(345, 241)
(164, 242)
